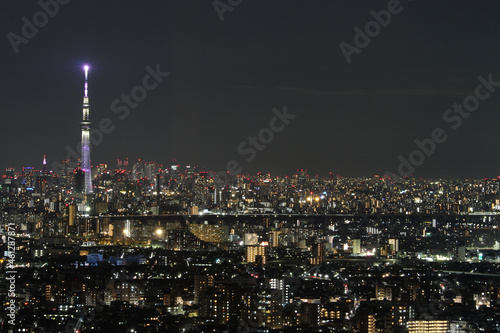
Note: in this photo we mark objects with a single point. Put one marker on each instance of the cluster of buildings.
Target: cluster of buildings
(145, 248)
(149, 188)
(156, 249)
(305, 275)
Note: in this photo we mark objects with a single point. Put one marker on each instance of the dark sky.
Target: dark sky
(227, 76)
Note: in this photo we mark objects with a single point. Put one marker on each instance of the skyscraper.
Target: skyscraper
(44, 165)
(318, 254)
(435, 326)
(85, 123)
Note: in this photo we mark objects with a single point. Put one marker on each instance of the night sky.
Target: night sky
(225, 78)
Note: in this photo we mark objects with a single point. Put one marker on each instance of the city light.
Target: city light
(289, 223)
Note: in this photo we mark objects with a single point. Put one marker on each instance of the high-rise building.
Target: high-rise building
(10, 172)
(367, 322)
(28, 175)
(150, 170)
(44, 165)
(356, 246)
(79, 181)
(191, 171)
(393, 245)
(253, 252)
(274, 237)
(434, 326)
(201, 284)
(174, 172)
(461, 253)
(311, 315)
(193, 210)
(383, 293)
(318, 254)
(71, 214)
(41, 178)
(396, 320)
(85, 124)
(40, 184)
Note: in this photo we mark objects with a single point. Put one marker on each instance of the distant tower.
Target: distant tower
(44, 165)
(85, 123)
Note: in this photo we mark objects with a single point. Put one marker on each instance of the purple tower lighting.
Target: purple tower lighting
(44, 165)
(85, 123)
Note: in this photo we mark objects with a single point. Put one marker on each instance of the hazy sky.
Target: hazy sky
(226, 77)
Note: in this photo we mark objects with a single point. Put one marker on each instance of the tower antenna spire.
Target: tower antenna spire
(86, 92)
(44, 165)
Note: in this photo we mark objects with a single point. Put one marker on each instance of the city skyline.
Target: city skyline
(218, 81)
(250, 166)
(173, 253)
(167, 165)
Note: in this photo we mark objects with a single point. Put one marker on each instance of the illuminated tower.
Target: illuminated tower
(44, 165)
(85, 123)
